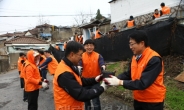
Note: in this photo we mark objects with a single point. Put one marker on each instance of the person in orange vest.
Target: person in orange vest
(165, 9)
(98, 33)
(91, 65)
(33, 80)
(42, 60)
(50, 62)
(81, 39)
(25, 96)
(76, 37)
(21, 59)
(145, 75)
(156, 14)
(68, 86)
(130, 23)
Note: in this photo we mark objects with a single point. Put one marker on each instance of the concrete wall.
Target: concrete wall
(13, 57)
(105, 28)
(62, 35)
(4, 63)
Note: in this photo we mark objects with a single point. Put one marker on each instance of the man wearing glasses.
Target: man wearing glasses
(144, 76)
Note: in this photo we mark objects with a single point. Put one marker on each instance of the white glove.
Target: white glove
(80, 69)
(103, 67)
(44, 85)
(113, 81)
(104, 85)
(99, 78)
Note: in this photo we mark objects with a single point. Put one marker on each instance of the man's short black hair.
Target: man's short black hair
(156, 9)
(139, 36)
(21, 54)
(162, 4)
(41, 52)
(89, 41)
(47, 51)
(74, 47)
(131, 17)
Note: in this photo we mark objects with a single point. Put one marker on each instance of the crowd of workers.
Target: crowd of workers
(78, 78)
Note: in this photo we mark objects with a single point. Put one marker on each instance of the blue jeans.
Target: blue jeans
(95, 101)
(44, 73)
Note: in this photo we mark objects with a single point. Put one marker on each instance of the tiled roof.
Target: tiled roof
(33, 31)
(26, 40)
(7, 35)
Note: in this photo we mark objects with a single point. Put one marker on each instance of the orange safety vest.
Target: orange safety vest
(155, 92)
(156, 15)
(52, 65)
(22, 73)
(130, 23)
(90, 64)
(63, 100)
(76, 38)
(19, 64)
(31, 79)
(165, 10)
(81, 40)
(97, 35)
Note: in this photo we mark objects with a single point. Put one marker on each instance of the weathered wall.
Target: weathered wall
(105, 28)
(63, 34)
(13, 60)
(4, 63)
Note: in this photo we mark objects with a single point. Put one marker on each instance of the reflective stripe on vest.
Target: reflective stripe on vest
(62, 100)
(91, 67)
(156, 91)
(52, 65)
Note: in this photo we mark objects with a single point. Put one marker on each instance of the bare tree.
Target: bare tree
(82, 18)
(41, 20)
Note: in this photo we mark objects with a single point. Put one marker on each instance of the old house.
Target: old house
(47, 31)
(142, 10)
(23, 44)
(32, 33)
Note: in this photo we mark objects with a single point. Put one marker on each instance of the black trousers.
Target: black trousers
(25, 96)
(21, 84)
(33, 100)
(148, 106)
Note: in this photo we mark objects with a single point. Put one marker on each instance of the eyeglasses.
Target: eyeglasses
(78, 54)
(132, 44)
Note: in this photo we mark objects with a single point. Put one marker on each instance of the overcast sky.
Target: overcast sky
(46, 7)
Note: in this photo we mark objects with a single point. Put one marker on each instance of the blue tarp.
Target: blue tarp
(45, 35)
